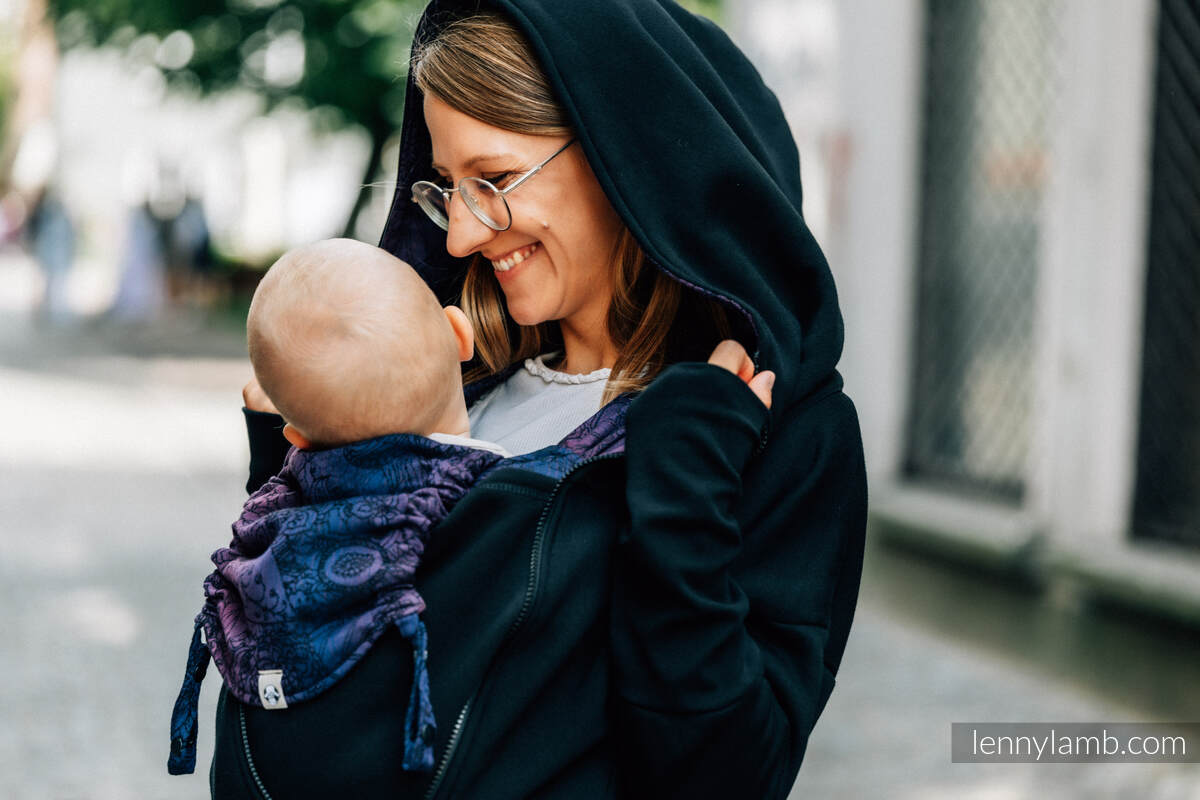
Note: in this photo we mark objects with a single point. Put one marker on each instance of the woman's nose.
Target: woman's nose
(466, 232)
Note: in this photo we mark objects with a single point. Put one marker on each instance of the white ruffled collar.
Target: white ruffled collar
(537, 366)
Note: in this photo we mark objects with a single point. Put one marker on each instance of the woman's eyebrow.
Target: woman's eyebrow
(473, 160)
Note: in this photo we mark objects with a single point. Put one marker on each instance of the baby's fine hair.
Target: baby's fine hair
(350, 343)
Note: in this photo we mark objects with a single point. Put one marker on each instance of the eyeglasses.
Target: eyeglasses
(484, 200)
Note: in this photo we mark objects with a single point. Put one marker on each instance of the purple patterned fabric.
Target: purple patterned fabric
(323, 558)
(323, 555)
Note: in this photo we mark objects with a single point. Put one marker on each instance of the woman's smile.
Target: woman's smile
(509, 261)
(561, 210)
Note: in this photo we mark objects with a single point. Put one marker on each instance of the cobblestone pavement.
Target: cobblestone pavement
(121, 467)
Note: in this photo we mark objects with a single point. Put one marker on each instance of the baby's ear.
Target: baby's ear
(296, 437)
(463, 332)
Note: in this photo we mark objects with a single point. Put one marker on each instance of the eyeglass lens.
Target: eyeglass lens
(481, 198)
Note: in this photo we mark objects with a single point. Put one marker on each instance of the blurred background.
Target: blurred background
(1009, 195)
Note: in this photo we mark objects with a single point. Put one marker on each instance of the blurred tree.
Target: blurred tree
(713, 9)
(9, 40)
(346, 59)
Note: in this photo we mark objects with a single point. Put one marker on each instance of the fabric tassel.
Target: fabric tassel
(420, 728)
(184, 718)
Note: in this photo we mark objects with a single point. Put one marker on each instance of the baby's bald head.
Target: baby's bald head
(349, 343)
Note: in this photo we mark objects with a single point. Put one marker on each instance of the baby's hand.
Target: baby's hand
(732, 356)
(255, 399)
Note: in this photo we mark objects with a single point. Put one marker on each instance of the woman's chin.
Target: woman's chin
(525, 317)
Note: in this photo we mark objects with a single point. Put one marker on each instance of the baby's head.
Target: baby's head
(349, 343)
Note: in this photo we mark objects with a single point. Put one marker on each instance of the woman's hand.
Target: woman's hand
(732, 356)
(255, 399)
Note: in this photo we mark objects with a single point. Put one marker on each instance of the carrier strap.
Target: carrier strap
(420, 728)
(183, 718)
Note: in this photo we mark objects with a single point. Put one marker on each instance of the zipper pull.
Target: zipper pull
(762, 440)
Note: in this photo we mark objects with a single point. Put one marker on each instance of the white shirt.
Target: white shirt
(537, 406)
(467, 441)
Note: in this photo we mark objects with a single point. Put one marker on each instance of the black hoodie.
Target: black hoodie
(670, 622)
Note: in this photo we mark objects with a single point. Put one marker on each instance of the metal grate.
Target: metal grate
(988, 90)
(1167, 497)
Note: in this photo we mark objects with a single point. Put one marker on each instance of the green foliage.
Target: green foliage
(345, 58)
(8, 89)
(713, 9)
(355, 52)
(7, 96)
(348, 56)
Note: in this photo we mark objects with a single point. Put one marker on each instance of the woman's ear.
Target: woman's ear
(463, 332)
(296, 437)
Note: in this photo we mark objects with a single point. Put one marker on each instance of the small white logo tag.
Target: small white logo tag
(270, 689)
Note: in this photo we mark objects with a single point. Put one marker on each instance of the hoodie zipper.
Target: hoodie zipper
(754, 357)
(262, 790)
(762, 440)
(531, 587)
(535, 554)
(717, 296)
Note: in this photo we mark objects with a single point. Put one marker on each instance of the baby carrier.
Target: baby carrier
(322, 562)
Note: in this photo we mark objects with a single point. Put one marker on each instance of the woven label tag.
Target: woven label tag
(270, 689)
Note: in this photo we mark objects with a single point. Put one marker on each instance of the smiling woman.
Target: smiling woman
(652, 596)
(569, 277)
(491, 114)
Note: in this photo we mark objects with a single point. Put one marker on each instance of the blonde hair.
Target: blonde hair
(350, 343)
(482, 66)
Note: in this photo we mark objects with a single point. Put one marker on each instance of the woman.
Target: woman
(663, 622)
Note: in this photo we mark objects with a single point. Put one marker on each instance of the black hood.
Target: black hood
(693, 152)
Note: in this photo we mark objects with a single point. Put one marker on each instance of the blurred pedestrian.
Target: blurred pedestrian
(51, 236)
(141, 289)
(189, 254)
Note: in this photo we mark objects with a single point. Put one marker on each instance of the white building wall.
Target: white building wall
(852, 105)
(861, 160)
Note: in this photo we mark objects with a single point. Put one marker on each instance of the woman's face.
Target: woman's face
(568, 276)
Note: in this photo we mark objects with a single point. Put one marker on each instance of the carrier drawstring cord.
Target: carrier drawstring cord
(183, 719)
(420, 728)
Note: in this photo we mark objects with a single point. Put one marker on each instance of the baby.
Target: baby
(358, 357)
(349, 343)
(355, 352)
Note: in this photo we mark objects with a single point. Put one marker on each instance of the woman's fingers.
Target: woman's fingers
(255, 399)
(761, 385)
(730, 354)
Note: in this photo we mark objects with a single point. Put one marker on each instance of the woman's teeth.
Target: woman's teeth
(510, 261)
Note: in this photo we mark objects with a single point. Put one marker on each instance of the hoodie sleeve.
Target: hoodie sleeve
(721, 630)
(268, 448)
